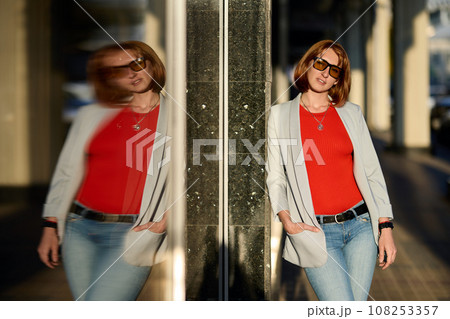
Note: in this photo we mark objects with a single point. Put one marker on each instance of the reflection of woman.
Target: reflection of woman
(107, 193)
(329, 194)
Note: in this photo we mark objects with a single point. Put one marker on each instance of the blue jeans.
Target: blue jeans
(90, 250)
(352, 254)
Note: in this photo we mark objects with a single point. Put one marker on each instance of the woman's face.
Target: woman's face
(119, 65)
(321, 81)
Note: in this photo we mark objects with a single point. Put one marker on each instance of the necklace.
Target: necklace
(320, 126)
(136, 126)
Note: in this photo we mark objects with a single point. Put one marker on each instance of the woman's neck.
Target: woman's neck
(144, 102)
(315, 102)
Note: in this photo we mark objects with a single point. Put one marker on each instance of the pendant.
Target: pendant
(136, 127)
(320, 127)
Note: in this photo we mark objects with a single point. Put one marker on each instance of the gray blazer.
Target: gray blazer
(287, 178)
(69, 173)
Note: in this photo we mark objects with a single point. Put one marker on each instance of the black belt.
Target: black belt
(102, 217)
(347, 215)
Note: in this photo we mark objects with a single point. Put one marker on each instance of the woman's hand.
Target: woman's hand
(294, 228)
(155, 227)
(48, 247)
(386, 246)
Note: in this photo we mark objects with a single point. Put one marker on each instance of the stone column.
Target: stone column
(203, 272)
(249, 84)
(228, 90)
(411, 75)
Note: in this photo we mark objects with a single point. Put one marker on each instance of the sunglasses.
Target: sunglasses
(321, 64)
(122, 70)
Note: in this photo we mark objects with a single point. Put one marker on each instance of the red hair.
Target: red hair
(339, 92)
(108, 93)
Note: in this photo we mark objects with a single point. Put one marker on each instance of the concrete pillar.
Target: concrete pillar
(176, 87)
(355, 46)
(25, 113)
(411, 74)
(155, 34)
(378, 78)
(14, 144)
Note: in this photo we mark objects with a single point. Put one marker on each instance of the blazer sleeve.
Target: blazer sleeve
(373, 170)
(69, 170)
(276, 175)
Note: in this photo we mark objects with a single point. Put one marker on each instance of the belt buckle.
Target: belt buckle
(335, 218)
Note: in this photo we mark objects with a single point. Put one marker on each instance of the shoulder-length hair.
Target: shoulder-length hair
(105, 91)
(339, 92)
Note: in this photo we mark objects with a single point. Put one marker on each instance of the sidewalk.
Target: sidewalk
(417, 188)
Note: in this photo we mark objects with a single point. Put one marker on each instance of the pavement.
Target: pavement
(417, 184)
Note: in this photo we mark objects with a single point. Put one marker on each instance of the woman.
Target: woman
(107, 198)
(325, 182)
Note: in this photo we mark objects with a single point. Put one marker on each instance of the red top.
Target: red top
(329, 162)
(116, 170)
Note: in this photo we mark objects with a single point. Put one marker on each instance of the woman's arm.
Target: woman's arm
(375, 178)
(48, 247)
(386, 245)
(67, 168)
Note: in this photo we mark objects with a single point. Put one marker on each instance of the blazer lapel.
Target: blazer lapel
(296, 156)
(346, 120)
(297, 162)
(351, 128)
(157, 158)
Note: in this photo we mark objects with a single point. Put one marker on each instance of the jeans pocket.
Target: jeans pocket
(365, 218)
(71, 217)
